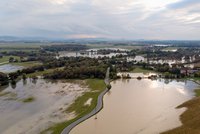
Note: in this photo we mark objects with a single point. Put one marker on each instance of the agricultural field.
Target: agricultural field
(19, 47)
(5, 59)
(129, 47)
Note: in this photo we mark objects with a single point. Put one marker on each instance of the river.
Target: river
(139, 107)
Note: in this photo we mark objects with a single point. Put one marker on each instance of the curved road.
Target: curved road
(93, 112)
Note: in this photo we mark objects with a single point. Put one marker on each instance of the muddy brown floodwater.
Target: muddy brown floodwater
(139, 107)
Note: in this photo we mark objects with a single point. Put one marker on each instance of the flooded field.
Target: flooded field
(140, 58)
(33, 105)
(7, 68)
(139, 107)
(92, 53)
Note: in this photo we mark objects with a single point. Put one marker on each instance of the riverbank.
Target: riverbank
(96, 86)
(190, 118)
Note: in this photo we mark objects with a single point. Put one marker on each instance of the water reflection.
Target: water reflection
(34, 80)
(145, 107)
(24, 82)
(13, 86)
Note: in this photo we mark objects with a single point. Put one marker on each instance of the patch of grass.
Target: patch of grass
(9, 95)
(197, 92)
(6, 58)
(27, 64)
(196, 78)
(79, 107)
(170, 48)
(4, 93)
(8, 47)
(129, 47)
(40, 73)
(96, 84)
(29, 99)
(141, 70)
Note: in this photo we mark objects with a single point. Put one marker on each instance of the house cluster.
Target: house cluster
(190, 71)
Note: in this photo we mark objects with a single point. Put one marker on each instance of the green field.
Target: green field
(6, 58)
(96, 87)
(40, 73)
(19, 47)
(129, 47)
(170, 49)
(141, 70)
(27, 64)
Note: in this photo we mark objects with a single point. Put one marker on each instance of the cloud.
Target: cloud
(183, 4)
(131, 19)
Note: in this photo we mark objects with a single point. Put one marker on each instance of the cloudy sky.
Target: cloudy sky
(120, 19)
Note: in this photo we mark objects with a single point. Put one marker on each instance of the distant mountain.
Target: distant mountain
(8, 38)
(43, 39)
(99, 41)
(19, 39)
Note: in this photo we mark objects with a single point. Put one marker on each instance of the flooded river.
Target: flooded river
(19, 115)
(139, 107)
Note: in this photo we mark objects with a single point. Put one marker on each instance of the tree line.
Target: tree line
(73, 68)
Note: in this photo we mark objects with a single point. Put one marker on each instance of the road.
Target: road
(93, 112)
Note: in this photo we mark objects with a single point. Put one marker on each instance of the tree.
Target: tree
(3, 79)
(11, 59)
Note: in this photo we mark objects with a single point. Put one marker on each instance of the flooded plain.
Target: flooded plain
(8, 68)
(139, 107)
(31, 106)
(92, 53)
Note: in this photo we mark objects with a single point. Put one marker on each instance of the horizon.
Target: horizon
(40, 39)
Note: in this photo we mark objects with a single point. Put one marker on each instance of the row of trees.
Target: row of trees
(74, 67)
(83, 68)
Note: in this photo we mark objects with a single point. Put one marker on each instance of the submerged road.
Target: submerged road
(98, 107)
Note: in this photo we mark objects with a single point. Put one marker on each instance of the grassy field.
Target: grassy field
(196, 78)
(6, 58)
(141, 70)
(190, 118)
(20, 46)
(170, 48)
(40, 73)
(96, 87)
(129, 47)
(27, 64)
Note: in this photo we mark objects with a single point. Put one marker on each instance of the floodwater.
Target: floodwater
(51, 98)
(7, 68)
(137, 58)
(139, 107)
(92, 53)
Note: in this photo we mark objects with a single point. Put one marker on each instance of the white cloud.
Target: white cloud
(135, 19)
